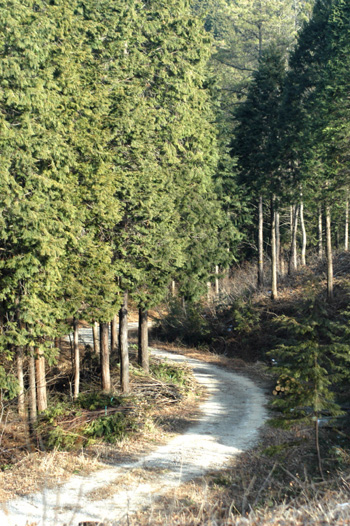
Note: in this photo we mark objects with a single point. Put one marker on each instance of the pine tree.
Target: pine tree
(312, 358)
(257, 141)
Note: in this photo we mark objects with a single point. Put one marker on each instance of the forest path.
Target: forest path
(228, 424)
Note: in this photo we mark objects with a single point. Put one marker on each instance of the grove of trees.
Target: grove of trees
(108, 155)
(145, 143)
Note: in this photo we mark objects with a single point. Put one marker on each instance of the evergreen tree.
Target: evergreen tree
(312, 358)
(257, 141)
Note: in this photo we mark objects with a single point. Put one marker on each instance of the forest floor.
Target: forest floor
(227, 423)
(273, 481)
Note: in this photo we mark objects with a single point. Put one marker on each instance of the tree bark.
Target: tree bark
(124, 350)
(40, 380)
(143, 354)
(20, 377)
(329, 254)
(346, 234)
(105, 368)
(32, 392)
(173, 288)
(114, 337)
(96, 337)
(320, 233)
(261, 244)
(293, 258)
(274, 293)
(304, 238)
(76, 358)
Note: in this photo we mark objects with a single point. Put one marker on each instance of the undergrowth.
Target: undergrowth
(96, 417)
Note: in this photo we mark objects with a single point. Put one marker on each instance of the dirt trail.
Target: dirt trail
(229, 423)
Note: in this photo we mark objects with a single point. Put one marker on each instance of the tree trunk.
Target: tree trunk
(320, 233)
(96, 337)
(217, 285)
(124, 351)
(76, 358)
(114, 337)
(346, 234)
(173, 288)
(105, 368)
(293, 258)
(278, 244)
(304, 238)
(329, 254)
(208, 291)
(40, 380)
(274, 292)
(20, 377)
(143, 354)
(261, 244)
(32, 392)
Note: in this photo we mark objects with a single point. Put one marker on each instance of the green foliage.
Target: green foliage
(53, 429)
(97, 400)
(58, 438)
(170, 373)
(245, 318)
(8, 385)
(312, 359)
(110, 428)
(184, 323)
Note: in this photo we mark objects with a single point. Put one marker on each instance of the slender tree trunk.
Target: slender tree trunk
(143, 354)
(208, 291)
(114, 337)
(217, 285)
(124, 350)
(261, 244)
(96, 337)
(20, 377)
(105, 368)
(346, 234)
(173, 288)
(32, 392)
(76, 358)
(278, 244)
(293, 259)
(274, 292)
(329, 254)
(40, 380)
(317, 440)
(320, 233)
(304, 238)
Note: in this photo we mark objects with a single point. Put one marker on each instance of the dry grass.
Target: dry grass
(259, 489)
(37, 470)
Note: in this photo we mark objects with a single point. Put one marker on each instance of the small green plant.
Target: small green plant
(245, 318)
(110, 428)
(58, 438)
(97, 400)
(170, 373)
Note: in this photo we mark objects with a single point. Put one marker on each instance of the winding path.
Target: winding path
(228, 424)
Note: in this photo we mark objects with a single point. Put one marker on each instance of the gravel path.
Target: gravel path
(229, 423)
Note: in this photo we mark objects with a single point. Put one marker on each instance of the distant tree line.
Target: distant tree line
(291, 145)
